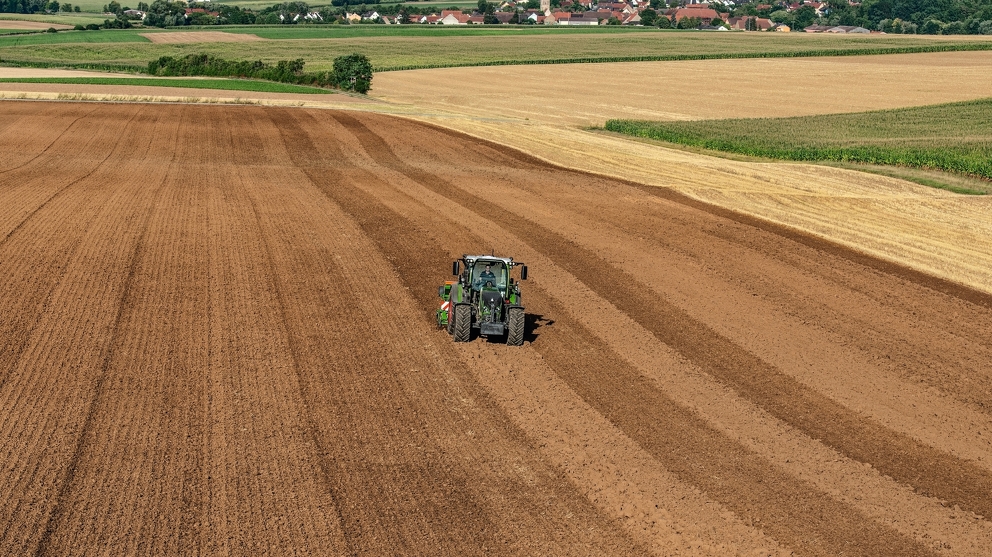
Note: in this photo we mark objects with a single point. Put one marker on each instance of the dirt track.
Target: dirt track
(218, 338)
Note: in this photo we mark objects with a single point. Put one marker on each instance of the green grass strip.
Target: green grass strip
(954, 137)
(222, 84)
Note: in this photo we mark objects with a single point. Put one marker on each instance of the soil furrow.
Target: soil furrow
(85, 432)
(51, 383)
(521, 524)
(45, 150)
(499, 156)
(680, 440)
(930, 471)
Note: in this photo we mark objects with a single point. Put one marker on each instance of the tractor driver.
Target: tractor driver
(485, 277)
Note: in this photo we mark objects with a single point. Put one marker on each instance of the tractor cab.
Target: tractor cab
(485, 298)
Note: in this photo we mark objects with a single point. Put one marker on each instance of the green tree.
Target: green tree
(353, 73)
(803, 17)
(649, 17)
(663, 22)
(688, 23)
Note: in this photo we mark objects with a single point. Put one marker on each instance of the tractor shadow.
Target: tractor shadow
(533, 323)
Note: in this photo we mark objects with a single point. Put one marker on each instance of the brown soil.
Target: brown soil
(181, 37)
(218, 338)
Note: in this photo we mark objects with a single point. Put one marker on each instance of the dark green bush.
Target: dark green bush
(353, 73)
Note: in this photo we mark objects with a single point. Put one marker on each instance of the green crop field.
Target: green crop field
(222, 84)
(435, 48)
(62, 17)
(954, 137)
(74, 37)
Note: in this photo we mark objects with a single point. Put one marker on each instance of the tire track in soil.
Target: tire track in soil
(306, 391)
(19, 322)
(253, 396)
(931, 472)
(44, 151)
(125, 304)
(794, 512)
(135, 484)
(59, 370)
(521, 536)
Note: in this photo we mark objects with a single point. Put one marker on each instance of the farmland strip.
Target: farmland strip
(142, 458)
(522, 515)
(49, 386)
(678, 438)
(85, 439)
(44, 151)
(932, 472)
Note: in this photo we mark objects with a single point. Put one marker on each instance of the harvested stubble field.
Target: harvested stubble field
(586, 94)
(218, 338)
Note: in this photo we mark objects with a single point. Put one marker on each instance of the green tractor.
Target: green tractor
(485, 298)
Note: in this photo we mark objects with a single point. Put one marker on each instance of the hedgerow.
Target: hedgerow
(353, 72)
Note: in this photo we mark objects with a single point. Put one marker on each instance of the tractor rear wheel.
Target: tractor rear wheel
(515, 327)
(463, 323)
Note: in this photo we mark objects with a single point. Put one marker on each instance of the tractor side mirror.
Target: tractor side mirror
(440, 291)
(454, 268)
(523, 272)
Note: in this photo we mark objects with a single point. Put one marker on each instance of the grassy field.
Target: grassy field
(62, 17)
(398, 51)
(954, 137)
(222, 84)
(104, 36)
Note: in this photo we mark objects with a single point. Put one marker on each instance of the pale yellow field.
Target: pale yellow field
(590, 94)
(181, 37)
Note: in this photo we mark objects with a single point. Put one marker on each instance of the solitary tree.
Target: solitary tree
(353, 73)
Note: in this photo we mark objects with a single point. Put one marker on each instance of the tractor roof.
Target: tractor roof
(472, 259)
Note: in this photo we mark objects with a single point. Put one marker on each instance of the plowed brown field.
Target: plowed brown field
(218, 338)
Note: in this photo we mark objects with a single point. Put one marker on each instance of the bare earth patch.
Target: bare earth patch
(192, 350)
(182, 37)
(13, 24)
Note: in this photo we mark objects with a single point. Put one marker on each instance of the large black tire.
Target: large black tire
(515, 327)
(463, 323)
(451, 318)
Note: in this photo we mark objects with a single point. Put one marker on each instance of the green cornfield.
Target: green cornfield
(954, 137)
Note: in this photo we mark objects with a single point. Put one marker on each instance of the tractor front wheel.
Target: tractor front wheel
(515, 327)
(462, 330)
